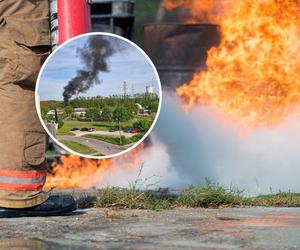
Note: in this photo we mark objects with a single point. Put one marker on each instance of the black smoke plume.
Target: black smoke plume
(94, 56)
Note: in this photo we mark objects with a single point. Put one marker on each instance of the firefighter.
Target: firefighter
(24, 45)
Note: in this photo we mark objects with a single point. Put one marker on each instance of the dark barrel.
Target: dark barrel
(179, 50)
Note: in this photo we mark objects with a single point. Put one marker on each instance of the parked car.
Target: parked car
(135, 130)
(128, 130)
(74, 129)
(88, 129)
(113, 130)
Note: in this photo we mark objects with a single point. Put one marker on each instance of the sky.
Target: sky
(128, 65)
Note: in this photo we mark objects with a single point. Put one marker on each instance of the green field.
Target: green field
(136, 137)
(101, 126)
(110, 139)
(116, 140)
(80, 148)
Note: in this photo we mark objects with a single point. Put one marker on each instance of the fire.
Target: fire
(201, 11)
(77, 172)
(253, 75)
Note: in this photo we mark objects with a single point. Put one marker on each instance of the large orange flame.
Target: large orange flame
(201, 11)
(76, 172)
(253, 76)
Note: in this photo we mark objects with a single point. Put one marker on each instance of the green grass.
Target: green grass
(116, 140)
(282, 199)
(78, 147)
(110, 139)
(136, 137)
(101, 126)
(99, 154)
(132, 199)
(209, 195)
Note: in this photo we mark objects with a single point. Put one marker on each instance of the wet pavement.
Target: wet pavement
(239, 228)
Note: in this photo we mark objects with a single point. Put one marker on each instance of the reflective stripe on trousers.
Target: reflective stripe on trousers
(22, 180)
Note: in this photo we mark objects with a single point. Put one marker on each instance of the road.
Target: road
(238, 228)
(100, 146)
(104, 133)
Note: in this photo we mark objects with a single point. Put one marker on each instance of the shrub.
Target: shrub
(60, 123)
(144, 125)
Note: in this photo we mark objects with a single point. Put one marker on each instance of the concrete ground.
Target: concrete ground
(239, 228)
(104, 133)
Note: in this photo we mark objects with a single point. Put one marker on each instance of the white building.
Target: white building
(139, 106)
(149, 90)
(79, 111)
(142, 111)
(51, 112)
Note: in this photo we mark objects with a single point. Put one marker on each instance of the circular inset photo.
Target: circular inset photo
(98, 95)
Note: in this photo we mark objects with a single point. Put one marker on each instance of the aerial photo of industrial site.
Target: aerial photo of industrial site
(99, 95)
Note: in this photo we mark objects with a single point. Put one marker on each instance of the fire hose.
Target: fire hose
(68, 19)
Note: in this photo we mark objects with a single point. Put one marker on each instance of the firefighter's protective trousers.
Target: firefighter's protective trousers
(24, 45)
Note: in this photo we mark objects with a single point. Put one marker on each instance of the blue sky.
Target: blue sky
(128, 65)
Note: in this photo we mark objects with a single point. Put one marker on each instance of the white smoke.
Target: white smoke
(155, 172)
(188, 147)
(200, 146)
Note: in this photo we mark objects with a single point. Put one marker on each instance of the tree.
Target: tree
(144, 125)
(92, 113)
(153, 106)
(44, 111)
(60, 123)
(120, 114)
(132, 108)
(106, 114)
(68, 110)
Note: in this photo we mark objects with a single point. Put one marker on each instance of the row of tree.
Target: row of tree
(104, 103)
(151, 102)
(120, 113)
